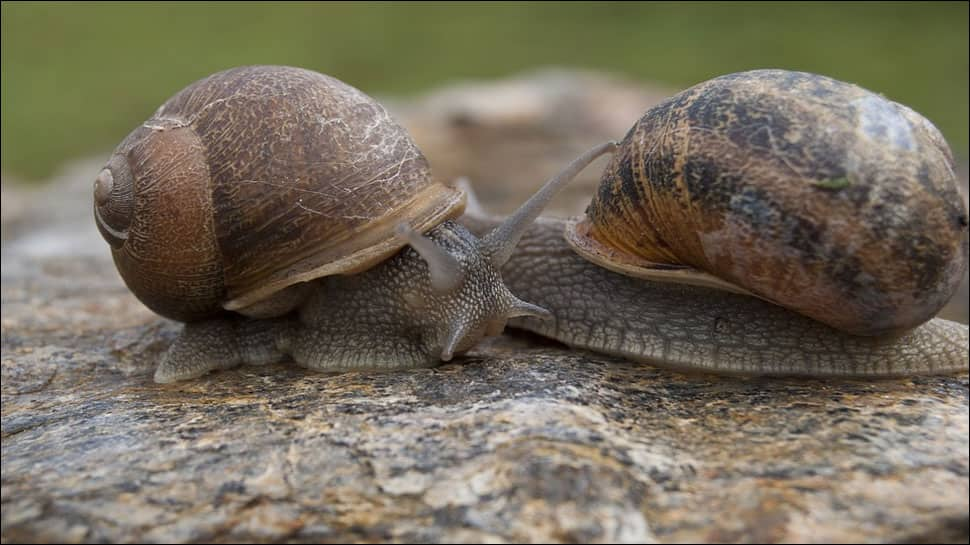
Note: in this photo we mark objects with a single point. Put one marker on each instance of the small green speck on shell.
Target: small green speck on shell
(833, 183)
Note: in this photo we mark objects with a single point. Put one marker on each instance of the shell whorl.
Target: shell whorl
(803, 190)
(113, 201)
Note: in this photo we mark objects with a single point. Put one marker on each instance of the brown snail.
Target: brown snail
(273, 147)
(807, 191)
(763, 222)
(286, 196)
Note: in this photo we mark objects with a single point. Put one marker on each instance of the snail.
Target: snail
(268, 207)
(294, 206)
(764, 222)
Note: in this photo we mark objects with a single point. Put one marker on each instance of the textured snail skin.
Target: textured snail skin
(702, 329)
(387, 317)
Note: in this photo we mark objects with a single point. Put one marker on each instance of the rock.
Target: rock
(521, 440)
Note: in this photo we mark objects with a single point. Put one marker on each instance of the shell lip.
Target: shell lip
(577, 234)
(386, 245)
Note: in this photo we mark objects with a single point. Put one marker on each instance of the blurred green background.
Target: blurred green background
(77, 77)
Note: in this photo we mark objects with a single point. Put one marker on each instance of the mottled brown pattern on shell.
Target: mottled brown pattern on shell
(302, 170)
(811, 192)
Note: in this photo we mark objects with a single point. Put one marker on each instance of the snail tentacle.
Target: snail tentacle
(458, 332)
(522, 308)
(499, 244)
(445, 270)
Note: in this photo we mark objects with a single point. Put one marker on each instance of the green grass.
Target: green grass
(77, 77)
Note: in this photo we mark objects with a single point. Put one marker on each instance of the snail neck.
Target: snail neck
(399, 314)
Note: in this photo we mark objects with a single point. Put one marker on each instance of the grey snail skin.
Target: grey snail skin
(282, 214)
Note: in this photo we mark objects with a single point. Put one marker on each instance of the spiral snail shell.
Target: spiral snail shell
(255, 179)
(808, 192)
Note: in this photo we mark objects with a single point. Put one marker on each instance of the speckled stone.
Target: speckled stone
(522, 440)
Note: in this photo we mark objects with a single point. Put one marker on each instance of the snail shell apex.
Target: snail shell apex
(257, 178)
(806, 191)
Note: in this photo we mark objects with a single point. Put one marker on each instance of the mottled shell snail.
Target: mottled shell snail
(269, 208)
(809, 192)
(743, 205)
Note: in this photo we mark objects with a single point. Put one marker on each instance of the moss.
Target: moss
(833, 184)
